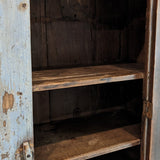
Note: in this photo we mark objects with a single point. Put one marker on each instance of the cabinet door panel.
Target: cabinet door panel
(16, 124)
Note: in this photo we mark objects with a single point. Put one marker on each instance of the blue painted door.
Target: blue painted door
(16, 122)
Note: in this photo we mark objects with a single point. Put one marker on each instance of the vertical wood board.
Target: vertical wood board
(39, 59)
(155, 122)
(15, 78)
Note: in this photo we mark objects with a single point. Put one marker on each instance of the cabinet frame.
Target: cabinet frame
(150, 125)
(16, 82)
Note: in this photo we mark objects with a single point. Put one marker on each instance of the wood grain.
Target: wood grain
(150, 128)
(74, 77)
(91, 145)
(78, 33)
(69, 44)
(39, 60)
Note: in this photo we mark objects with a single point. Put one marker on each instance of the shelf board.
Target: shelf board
(90, 145)
(74, 77)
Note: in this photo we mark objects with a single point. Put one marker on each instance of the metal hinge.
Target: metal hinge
(147, 109)
(27, 151)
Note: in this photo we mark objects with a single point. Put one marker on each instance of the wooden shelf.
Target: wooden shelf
(74, 77)
(91, 145)
(87, 137)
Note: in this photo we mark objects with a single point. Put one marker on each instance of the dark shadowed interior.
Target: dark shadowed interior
(80, 33)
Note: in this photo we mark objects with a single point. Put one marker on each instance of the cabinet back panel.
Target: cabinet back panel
(73, 33)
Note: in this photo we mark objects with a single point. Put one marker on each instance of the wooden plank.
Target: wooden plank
(107, 45)
(136, 34)
(39, 60)
(81, 101)
(67, 78)
(16, 118)
(151, 125)
(41, 107)
(39, 44)
(70, 44)
(112, 12)
(70, 10)
(155, 122)
(91, 145)
(147, 94)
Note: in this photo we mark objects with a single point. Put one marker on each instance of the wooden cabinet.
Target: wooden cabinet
(93, 70)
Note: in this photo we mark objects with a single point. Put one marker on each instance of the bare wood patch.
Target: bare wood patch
(4, 123)
(8, 102)
(4, 156)
(19, 93)
(23, 6)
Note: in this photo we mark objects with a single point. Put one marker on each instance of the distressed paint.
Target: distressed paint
(151, 131)
(16, 123)
(155, 123)
(8, 102)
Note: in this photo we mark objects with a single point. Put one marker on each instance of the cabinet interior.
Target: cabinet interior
(88, 68)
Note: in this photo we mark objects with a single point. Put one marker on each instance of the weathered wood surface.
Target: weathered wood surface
(127, 154)
(151, 142)
(66, 78)
(39, 60)
(66, 103)
(155, 123)
(90, 145)
(99, 33)
(16, 123)
(52, 134)
(148, 78)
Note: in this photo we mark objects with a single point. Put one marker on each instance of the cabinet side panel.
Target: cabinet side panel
(155, 123)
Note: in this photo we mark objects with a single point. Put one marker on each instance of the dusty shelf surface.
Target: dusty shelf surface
(84, 138)
(75, 77)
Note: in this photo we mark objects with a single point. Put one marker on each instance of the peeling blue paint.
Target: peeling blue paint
(15, 76)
